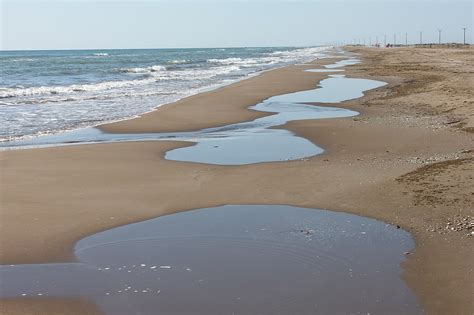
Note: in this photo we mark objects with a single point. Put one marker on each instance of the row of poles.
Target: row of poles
(395, 39)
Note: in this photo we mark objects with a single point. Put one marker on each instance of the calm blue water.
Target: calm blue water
(50, 91)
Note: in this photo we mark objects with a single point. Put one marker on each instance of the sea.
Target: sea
(47, 92)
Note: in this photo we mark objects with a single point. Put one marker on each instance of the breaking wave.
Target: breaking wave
(143, 70)
(61, 90)
(54, 90)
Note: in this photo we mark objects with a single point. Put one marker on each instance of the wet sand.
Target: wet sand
(405, 160)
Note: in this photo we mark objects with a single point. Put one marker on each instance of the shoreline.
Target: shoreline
(349, 176)
(192, 92)
(145, 122)
(192, 113)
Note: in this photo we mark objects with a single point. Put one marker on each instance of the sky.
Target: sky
(102, 24)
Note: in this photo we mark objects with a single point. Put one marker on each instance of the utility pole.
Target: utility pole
(406, 39)
(439, 36)
(464, 41)
(421, 38)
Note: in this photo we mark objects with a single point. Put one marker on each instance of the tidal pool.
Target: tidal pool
(343, 63)
(234, 259)
(324, 70)
(242, 143)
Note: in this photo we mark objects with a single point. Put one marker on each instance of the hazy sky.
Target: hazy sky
(76, 24)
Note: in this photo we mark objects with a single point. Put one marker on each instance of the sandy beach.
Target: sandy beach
(406, 160)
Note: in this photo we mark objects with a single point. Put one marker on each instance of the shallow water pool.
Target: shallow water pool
(234, 259)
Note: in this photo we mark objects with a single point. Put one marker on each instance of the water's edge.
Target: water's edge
(246, 142)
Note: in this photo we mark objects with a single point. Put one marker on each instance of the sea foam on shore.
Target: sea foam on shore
(51, 91)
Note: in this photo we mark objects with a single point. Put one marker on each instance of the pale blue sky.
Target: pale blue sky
(88, 24)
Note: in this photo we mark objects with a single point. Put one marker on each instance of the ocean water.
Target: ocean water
(44, 92)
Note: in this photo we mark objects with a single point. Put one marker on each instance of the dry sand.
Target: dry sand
(405, 160)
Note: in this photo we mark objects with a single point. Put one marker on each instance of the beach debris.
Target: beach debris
(458, 223)
(450, 122)
(407, 253)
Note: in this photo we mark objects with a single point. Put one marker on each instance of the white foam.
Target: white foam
(40, 90)
(36, 110)
(225, 61)
(155, 68)
(178, 61)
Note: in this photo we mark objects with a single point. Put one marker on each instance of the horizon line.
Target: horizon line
(216, 47)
